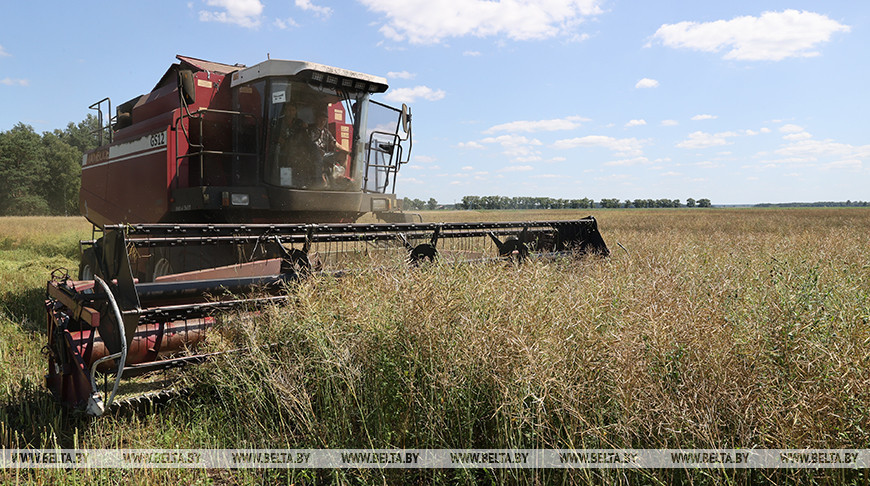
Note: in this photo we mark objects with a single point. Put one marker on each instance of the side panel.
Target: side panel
(127, 181)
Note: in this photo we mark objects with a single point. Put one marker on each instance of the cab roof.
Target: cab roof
(313, 72)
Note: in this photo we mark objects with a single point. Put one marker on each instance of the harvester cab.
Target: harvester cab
(224, 184)
(288, 141)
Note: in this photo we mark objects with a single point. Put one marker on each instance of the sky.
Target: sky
(740, 102)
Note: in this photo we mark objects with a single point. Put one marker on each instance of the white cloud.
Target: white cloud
(704, 117)
(707, 164)
(471, 145)
(409, 95)
(468, 167)
(773, 36)
(567, 123)
(699, 140)
(517, 168)
(401, 75)
(797, 136)
(316, 9)
(626, 162)
(635, 123)
(623, 146)
(3, 52)
(429, 22)
(647, 83)
(808, 151)
(670, 123)
(425, 159)
(519, 148)
(14, 82)
(285, 23)
(791, 128)
(245, 13)
(852, 164)
(471, 53)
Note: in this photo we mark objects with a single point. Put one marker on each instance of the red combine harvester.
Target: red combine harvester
(225, 179)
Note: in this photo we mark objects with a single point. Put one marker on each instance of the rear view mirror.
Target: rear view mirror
(406, 118)
(186, 87)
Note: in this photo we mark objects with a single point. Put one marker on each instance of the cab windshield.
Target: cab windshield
(312, 136)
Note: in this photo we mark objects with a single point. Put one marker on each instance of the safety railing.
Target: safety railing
(196, 147)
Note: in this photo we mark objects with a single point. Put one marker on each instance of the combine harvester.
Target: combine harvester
(228, 181)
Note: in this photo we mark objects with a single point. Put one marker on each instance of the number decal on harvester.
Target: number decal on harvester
(158, 139)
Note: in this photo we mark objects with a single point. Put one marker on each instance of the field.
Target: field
(705, 328)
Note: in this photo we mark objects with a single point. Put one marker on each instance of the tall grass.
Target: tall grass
(710, 329)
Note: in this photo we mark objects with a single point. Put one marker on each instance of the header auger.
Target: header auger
(225, 184)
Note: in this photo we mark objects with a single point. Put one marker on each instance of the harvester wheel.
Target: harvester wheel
(88, 264)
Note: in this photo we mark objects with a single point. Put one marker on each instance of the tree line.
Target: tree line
(503, 202)
(818, 204)
(41, 172)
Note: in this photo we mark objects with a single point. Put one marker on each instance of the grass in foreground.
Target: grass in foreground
(713, 329)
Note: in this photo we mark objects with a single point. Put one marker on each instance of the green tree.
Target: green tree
(690, 203)
(24, 172)
(432, 204)
(80, 136)
(704, 203)
(64, 167)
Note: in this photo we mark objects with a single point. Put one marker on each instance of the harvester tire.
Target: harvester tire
(88, 264)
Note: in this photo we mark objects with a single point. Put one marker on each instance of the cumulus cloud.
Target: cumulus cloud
(245, 13)
(839, 155)
(635, 123)
(431, 21)
(517, 168)
(14, 82)
(316, 9)
(704, 117)
(628, 162)
(285, 23)
(410, 95)
(797, 136)
(519, 148)
(471, 145)
(471, 53)
(699, 140)
(622, 146)
(401, 75)
(647, 83)
(3, 52)
(772, 36)
(791, 128)
(567, 123)
(670, 123)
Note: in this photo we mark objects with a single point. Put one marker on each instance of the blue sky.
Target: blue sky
(739, 102)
